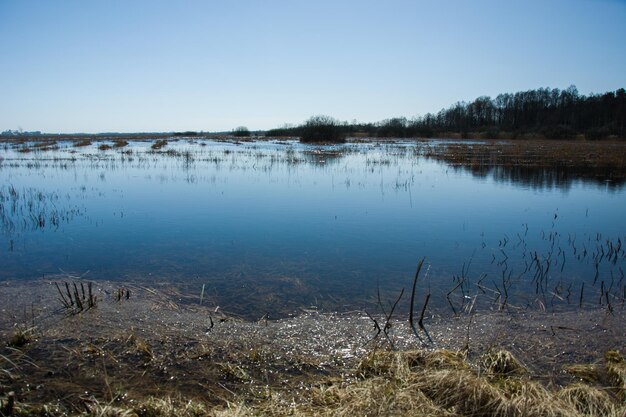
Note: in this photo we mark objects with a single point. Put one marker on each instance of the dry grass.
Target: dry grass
(19, 338)
(82, 142)
(438, 384)
(588, 400)
(159, 144)
(616, 371)
(585, 372)
(120, 143)
(132, 357)
(600, 161)
(502, 362)
(412, 383)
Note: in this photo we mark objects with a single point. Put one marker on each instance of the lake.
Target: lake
(277, 227)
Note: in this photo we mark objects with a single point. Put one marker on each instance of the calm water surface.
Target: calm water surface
(277, 227)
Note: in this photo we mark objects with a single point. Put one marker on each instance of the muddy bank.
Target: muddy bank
(139, 341)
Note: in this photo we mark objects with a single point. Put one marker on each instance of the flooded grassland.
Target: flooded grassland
(200, 276)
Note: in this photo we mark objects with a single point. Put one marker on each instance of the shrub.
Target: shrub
(241, 132)
(393, 128)
(322, 129)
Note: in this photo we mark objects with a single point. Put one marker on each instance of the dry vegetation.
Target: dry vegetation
(140, 352)
(410, 383)
(603, 160)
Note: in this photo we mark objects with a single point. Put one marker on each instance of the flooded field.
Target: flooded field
(276, 227)
(216, 277)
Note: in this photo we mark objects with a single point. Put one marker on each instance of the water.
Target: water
(277, 227)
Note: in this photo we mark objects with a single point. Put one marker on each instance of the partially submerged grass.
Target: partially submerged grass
(140, 346)
(120, 143)
(159, 144)
(45, 145)
(82, 142)
(526, 160)
(19, 338)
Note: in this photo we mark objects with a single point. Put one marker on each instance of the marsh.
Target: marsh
(275, 226)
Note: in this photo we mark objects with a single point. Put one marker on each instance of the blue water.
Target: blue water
(276, 227)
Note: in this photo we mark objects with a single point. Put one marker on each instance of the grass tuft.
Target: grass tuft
(502, 362)
(585, 372)
(140, 346)
(19, 338)
(588, 400)
(616, 371)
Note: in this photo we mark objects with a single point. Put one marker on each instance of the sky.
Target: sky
(160, 66)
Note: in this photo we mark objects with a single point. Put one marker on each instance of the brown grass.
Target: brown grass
(120, 143)
(585, 372)
(588, 400)
(159, 144)
(602, 160)
(413, 383)
(82, 142)
(502, 362)
(616, 371)
(146, 356)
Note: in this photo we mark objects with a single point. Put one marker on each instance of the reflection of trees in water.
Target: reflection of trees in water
(544, 178)
(539, 164)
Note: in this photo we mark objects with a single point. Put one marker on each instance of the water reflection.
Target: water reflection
(538, 178)
(536, 164)
(273, 227)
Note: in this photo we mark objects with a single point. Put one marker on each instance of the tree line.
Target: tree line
(544, 112)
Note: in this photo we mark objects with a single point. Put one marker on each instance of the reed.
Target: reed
(76, 301)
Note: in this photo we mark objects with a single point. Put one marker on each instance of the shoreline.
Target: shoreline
(148, 345)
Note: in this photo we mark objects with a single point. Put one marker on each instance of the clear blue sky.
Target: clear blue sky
(93, 66)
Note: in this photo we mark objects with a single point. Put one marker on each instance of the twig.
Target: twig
(63, 300)
(469, 324)
(582, 290)
(382, 307)
(417, 273)
(421, 322)
(376, 327)
(388, 321)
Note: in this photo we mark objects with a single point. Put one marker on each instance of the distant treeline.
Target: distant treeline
(549, 113)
